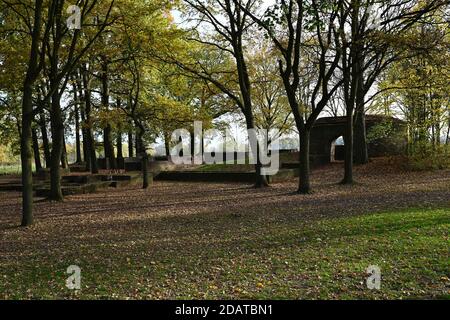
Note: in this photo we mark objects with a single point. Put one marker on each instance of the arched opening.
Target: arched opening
(338, 150)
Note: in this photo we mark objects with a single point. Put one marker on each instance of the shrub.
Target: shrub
(426, 156)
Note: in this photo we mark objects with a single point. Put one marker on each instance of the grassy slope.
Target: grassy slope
(324, 258)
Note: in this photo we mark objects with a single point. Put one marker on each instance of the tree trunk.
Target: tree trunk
(438, 130)
(352, 85)
(361, 153)
(27, 118)
(192, 138)
(37, 155)
(108, 147)
(119, 145)
(87, 134)
(261, 180)
(85, 145)
(64, 157)
(145, 174)
(144, 155)
(91, 161)
(57, 149)
(348, 139)
(167, 145)
(137, 142)
(86, 156)
(45, 142)
(447, 140)
(120, 159)
(107, 131)
(26, 155)
(119, 141)
(304, 182)
(82, 109)
(77, 135)
(130, 144)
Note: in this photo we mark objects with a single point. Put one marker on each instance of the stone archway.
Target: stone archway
(327, 130)
(338, 149)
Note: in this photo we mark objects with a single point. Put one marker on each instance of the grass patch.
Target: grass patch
(7, 169)
(212, 257)
(13, 169)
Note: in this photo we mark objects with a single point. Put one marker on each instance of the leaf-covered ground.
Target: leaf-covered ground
(196, 240)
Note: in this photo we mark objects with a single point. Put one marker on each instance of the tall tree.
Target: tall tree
(59, 71)
(289, 25)
(375, 29)
(230, 24)
(33, 70)
(91, 160)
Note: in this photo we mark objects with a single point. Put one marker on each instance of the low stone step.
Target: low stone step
(11, 187)
(78, 168)
(82, 179)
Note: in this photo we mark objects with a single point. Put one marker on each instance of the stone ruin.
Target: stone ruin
(387, 138)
